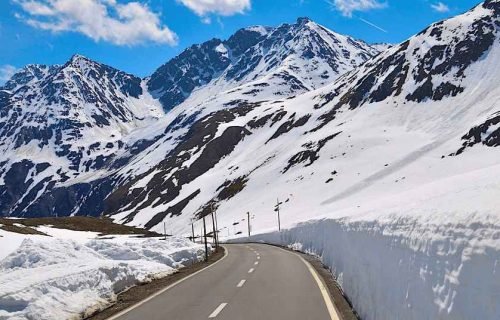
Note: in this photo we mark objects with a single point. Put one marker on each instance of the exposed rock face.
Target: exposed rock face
(487, 133)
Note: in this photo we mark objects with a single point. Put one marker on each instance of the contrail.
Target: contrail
(373, 25)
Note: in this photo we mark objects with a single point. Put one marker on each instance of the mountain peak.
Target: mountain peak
(77, 57)
(305, 54)
(28, 73)
(303, 20)
(78, 61)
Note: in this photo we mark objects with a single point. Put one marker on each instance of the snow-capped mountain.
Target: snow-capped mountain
(61, 123)
(292, 59)
(66, 130)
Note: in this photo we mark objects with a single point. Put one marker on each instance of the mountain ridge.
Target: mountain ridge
(88, 120)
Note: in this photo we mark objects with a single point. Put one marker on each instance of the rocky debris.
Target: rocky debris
(310, 155)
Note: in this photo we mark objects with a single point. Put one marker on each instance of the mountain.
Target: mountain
(108, 142)
(72, 133)
(62, 123)
(429, 102)
(292, 58)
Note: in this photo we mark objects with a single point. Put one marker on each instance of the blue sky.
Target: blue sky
(137, 36)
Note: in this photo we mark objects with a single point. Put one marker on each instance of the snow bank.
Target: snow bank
(430, 253)
(55, 278)
(406, 270)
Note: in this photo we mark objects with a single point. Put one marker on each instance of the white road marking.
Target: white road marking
(258, 257)
(154, 295)
(218, 310)
(251, 270)
(324, 290)
(256, 263)
(241, 283)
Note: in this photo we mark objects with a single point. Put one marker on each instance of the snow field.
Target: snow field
(62, 278)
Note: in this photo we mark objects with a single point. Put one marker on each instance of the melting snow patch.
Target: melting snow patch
(47, 278)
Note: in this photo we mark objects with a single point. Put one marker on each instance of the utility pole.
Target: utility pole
(165, 230)
(213, 229)
(205, 235)
(248, 218)
(216, 228)
(192, 230)
(277, 209)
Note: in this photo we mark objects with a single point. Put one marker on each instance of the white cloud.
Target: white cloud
(6, 72)
(347, 7)
(127, 23)
(219, 7)
(440, 7)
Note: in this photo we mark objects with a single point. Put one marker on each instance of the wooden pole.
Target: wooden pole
(216, 228)
(278, 210)
(205, 235)
(192, 231)
(213, 229)
(248, 218)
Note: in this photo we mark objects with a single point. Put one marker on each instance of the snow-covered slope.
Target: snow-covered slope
(397, 122)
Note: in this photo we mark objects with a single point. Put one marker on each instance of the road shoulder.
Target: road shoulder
(341, 302)
(141, 292)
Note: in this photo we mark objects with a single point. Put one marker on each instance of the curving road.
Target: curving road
(252, 282)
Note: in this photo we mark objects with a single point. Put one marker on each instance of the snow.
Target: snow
(221, 49)
(260, 29)
(75, 273)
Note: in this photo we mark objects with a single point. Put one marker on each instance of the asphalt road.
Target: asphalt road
(252, 282)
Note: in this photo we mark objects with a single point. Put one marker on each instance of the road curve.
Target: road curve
(251, 282)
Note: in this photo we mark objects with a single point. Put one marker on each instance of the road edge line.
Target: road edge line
(324, 291)
(327, 298)
(154, 295)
